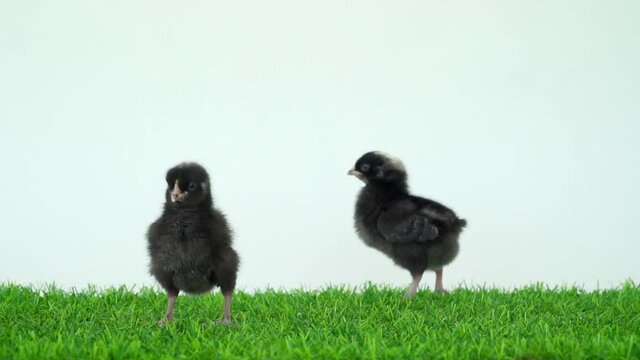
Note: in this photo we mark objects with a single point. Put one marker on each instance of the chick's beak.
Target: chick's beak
(357, 174)
(175, 192)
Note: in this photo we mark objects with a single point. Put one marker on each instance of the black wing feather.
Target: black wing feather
(403, 222)
(438, 213)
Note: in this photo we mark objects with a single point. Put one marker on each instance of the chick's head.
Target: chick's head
(377, 166)
(187, 185)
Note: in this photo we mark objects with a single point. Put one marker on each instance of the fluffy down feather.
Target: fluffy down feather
(190, 244)
(417, 234)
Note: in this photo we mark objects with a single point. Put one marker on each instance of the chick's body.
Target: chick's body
(191, 250)
(417, 234)
(190, 244)
(415, 256)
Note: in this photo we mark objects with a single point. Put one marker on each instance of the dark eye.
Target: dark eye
(365, 167)
(192, 186)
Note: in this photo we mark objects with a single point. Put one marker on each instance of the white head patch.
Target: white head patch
(392, 160)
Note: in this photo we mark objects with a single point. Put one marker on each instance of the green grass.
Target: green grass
(340, 323)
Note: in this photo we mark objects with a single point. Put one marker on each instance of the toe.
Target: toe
(225, 322)
(164, 321)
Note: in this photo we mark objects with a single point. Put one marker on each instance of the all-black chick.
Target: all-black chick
(190, 244)
(418, 234)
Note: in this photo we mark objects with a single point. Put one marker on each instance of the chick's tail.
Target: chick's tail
(458, 225)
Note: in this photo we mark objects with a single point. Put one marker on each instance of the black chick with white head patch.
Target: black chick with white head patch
(416, 233)
(190, 244)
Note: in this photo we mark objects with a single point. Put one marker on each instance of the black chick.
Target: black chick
(417, 233)
(190, 244)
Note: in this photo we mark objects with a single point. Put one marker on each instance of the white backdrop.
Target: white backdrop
(523, 116)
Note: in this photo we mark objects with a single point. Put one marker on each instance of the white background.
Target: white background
(523, 116)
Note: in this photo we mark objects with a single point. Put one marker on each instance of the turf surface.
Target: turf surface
(335, 323)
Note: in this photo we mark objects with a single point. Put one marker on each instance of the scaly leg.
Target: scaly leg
(226, 311)
(414, 284)
(168, 316)
(439, 286)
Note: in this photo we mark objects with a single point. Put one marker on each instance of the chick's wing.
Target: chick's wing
(403, 222)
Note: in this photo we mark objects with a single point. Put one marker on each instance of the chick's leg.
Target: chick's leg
(168, 316)
(414, 284)
(439, 286)
(226, 311)
(226, 273)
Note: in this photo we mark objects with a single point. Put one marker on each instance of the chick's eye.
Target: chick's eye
(192, 186)
(365, 167)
